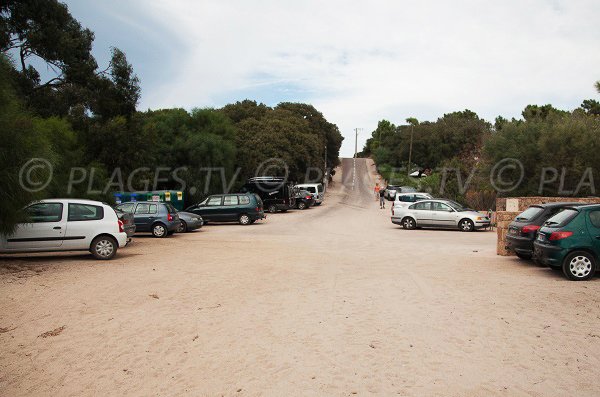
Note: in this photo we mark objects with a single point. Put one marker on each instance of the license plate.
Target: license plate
(541, 237)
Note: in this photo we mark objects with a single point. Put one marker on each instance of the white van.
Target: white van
(316, 190)
(406, 199)
(68, 225)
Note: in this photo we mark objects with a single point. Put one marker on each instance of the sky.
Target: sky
(357, 62)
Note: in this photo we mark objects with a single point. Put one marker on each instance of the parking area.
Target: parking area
(334, 300)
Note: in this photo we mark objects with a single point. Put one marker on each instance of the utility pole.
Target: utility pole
(356, 143)
(412, 128)
(325, 178)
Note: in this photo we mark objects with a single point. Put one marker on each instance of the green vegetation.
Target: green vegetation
(56, 103)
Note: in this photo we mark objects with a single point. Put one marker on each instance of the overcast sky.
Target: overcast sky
(357, 62)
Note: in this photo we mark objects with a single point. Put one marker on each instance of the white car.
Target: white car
(68, 225)
(440, 214)
(315, 189)
(406, 199)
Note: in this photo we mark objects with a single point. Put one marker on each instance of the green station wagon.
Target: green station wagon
(571, 240)
(245, 208)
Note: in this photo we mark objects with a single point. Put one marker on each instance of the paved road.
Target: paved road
(330, 301)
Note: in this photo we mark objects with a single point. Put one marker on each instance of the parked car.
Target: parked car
(523, 230)
(128, 222)
(439, 213)
(315, 189)
(406, 199)
(390, 191)
(245, 208)
(159, 218)
(304, 200)
(570, 241)
(68, 225)
(189, 222)
(276, 193)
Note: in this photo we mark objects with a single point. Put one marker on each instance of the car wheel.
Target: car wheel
(525, 257)
(409, 223)
(244, 219)
(104, 247)
(272, 209)
(159, 230)
(579, 266)
(301, 205)
(466, 225)
(182, 228)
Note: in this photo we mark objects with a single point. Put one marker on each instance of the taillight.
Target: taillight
(308, 197)
(529, 229)
(169, 217)
(121, 230)
(560, 235)
(257, 209)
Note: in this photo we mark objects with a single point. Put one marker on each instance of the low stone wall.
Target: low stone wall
(508, 208)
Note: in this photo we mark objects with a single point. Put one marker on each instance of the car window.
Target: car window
(595, 218)
(152, 208)
(85, 212)
(44, 212)
(311, 189)
(423, 206)
(435, 206)
(230, 200)
(422, 197)
(214, 201)
(142, 208)
(562, 218)
(407, 198)
(170, 208)
(320, 188)
(127, 207)
(244, 200)
(529, 214)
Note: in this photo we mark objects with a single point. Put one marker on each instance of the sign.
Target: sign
(167, 196)
(156, 197)
(179, 196)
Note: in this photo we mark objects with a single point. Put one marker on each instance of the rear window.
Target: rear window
(244, 200)
(85, 212)
(562, 218)
(529, 214)
(311, 189)
(407, 198)
(595, 218)
(320, 188)
(170, 208)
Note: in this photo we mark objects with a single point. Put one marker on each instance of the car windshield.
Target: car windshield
(529, 214)
(458, 207)
(562, 218)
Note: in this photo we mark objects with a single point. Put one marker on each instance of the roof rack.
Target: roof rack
(267, 179)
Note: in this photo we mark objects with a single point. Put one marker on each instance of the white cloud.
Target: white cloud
(359, 62)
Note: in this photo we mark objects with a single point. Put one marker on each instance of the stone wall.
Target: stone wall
(508, 208)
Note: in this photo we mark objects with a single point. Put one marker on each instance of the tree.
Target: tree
(598, 86)
(591, 106)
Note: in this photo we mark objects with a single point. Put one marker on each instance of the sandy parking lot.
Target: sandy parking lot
(332, 301)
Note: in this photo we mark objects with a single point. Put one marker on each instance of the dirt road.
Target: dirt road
(332, 301)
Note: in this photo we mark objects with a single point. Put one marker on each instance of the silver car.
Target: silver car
(439, 213)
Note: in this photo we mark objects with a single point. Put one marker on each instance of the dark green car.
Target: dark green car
(570, 241)
(245, 208)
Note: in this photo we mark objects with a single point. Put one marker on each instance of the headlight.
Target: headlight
(196, 219)
(480, 218)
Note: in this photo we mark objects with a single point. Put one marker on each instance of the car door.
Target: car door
(443, 215)
(422, 212)
(211, 209)
(594, 230)
(46, 228)
(141, 216)
(231, 207)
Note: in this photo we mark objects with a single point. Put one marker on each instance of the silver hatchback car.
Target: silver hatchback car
(439, 213)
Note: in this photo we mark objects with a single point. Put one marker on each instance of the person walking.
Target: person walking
(376, 190)
(382, 199)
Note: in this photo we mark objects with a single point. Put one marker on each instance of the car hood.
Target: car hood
(187, 215)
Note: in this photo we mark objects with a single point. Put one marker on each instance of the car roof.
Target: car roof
(71, 200)
(559, 204)
(585, 206)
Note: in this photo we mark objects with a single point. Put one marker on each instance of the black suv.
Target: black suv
(523, 230)
(276, 192)
(245, 208)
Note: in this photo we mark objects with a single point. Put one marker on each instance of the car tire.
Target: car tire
(182, 227)
(525, 257)
(466, 225)
(302, 205)
(104, 247)
(579, 266)
(318, 204)
(409, 223)
(159, 230)
(272, 209)
(244, 219)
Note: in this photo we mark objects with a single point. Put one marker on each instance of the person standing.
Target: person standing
(382, 198)
(376, 190)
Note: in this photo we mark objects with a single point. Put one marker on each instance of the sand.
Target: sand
(331, 301)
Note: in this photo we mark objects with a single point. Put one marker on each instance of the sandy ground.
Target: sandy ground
(332, 301)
